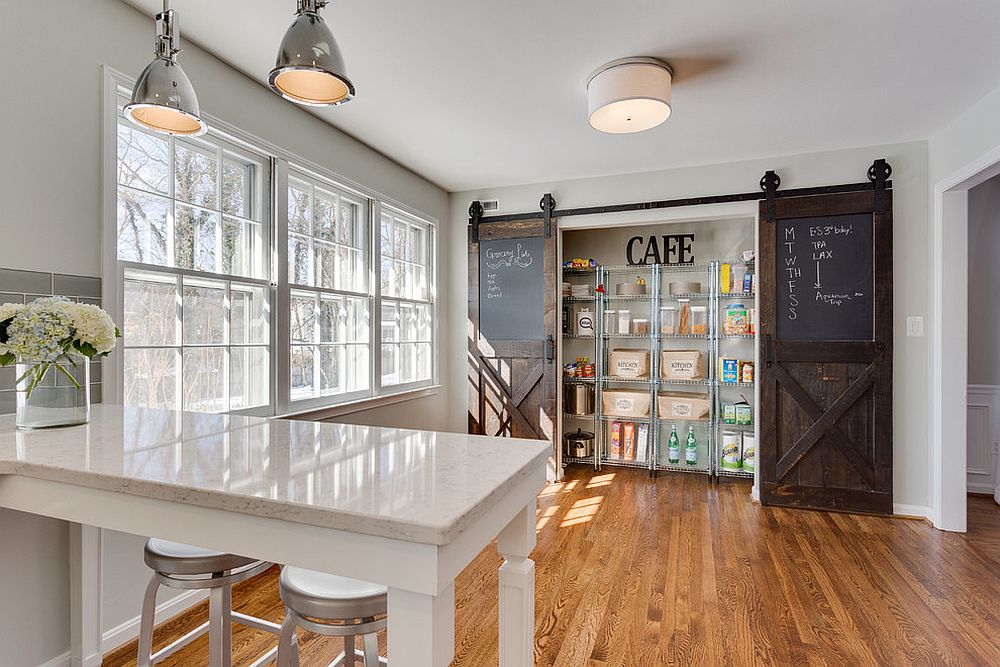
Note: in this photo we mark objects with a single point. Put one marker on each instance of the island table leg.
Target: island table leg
(421, 629)
(517, 590)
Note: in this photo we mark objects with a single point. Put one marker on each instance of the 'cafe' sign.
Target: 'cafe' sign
(664, 249)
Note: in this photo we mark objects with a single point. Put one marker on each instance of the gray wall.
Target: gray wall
(911, 255)
(50, 219)
(984, 277)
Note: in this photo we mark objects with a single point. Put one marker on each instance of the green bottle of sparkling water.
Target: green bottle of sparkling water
(673, 446)
(691, 448)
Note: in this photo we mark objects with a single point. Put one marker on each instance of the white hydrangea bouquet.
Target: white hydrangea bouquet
(53, 333)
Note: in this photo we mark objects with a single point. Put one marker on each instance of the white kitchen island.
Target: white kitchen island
(407, 509)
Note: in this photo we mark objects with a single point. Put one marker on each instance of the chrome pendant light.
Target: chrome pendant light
(310, 69)
(163, 98)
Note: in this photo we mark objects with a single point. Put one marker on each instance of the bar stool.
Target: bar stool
(188, 567)
(333, 606)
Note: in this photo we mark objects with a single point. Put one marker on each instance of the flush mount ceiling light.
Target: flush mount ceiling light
(163, 98)
(310, 69)
(629, 95)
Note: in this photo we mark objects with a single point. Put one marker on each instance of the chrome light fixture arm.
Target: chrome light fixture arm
(168, 33)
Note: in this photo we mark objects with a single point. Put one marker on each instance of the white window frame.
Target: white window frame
(275, 238)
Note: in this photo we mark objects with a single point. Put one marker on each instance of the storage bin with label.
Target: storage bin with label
(682, 365)
(683, 405)
(629, 364)
(625, 403)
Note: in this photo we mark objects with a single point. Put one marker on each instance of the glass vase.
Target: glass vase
(53, 395)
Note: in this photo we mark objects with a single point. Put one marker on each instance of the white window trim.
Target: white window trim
(112, 292)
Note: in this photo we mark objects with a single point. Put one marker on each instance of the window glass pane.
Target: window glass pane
(357, 324)
(407, 363)
(386, 236)
(415, 246)
(249, 374)
(299, 209)
(423, 365)
(418, 286)
(143, 160)
(399, 237)
(348, 233)
(390, 321)
(424, 323)
(240, 240)
(236, 179)
(303, 318)
(407, 322)
(332, 320)
(388, 277)
(298, 260)
(151, 378)
(325, 216)
(205, 379)
(248, 318)
(150, 305)
(196, 171)
(301, 366)
(390, 364)
(195, 238)
(326, 265)
(358, 365)
(331, 370)
(142, 227)
(204, 314)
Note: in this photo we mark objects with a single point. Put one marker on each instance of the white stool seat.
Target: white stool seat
(176, 558)
(327, 596)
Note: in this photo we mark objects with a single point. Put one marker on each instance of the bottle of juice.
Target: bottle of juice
(691, 448)
(673, 446)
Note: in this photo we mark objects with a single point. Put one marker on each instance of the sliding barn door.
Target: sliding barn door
(826, 335)
(512, 326)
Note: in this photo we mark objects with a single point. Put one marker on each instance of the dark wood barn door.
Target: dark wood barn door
(826, 335)
(512, 369)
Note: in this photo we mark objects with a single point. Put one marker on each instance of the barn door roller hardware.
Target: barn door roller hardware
(878, 175)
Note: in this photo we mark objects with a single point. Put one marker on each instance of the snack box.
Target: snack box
(729, 371)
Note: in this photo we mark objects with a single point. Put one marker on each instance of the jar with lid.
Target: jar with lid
(668, 320)
(610, 321)
(699, 320)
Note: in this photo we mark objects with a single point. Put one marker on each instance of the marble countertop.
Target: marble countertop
(418, 486)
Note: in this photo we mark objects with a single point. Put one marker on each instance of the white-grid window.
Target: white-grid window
(249, 282)
(407, 307)
(191, 248)
(330, 296)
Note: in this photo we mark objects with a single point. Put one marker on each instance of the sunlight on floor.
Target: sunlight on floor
(600, 480)
(582, 511)
(545, 516)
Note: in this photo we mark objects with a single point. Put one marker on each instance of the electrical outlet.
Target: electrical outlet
(996, 447)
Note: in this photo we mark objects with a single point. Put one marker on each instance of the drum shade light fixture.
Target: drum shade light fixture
(629, 95)
(309, 68)
(163, 99)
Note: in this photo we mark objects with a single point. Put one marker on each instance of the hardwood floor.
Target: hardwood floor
(639, 571)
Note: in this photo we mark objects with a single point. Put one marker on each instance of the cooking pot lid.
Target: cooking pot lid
(579, 435)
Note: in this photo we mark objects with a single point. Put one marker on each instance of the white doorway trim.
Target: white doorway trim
(949, 372)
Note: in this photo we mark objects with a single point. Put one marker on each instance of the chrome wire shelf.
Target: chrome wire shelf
(587, 460)
(737, 337)
(637, 420)
(694, 296)
(573, 415)
(684, 336)
(574, 336)
(624, 463)
(631, 336)
(734, 384)
(697, 383)
(627, 297)
(611, 378)
(738, 295)
(578, 299)
(743, 428)
(566, 271)
(734, 472)
(701, 469)
(579, 380)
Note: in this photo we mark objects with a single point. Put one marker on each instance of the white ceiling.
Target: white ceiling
(478, 94)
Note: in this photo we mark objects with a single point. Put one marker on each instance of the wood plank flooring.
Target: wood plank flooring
(676, 570)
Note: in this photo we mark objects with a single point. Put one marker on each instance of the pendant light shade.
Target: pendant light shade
(163, 99)
(629, 95)
(309, 69)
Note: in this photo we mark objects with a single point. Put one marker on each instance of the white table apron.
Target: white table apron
(420, 577)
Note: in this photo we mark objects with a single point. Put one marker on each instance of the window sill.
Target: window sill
(319, 414)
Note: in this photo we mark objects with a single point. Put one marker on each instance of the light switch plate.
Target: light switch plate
(915, 327)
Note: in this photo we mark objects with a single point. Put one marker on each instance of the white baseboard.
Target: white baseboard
(129, 630)
(58, 661)
(903, 509)
(973, 487)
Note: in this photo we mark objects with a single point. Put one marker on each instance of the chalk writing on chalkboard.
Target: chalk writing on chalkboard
(511, 289)
(825, 278)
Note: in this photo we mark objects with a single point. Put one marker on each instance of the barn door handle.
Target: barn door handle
(550, 348)
(768, 350)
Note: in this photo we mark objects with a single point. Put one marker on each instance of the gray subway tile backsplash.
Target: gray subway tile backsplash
(78, 286)
(25, 282)
(24, 287)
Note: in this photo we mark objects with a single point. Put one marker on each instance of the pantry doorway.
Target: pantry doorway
(950, 348)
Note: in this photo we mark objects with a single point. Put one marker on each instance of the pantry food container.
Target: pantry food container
(625, 403)
(684, 287)
(699, 320)
(668, 320)
(579, 444)
(682, 365)
(610, 321)
(629, 364)
(640, 327)
(630, 289)
(624, 321)
(578, 398)
(584, 322)
(682, 405)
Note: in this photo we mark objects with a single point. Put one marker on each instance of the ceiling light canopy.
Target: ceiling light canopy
(629, 95)
(163, 99)
(310, 69)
